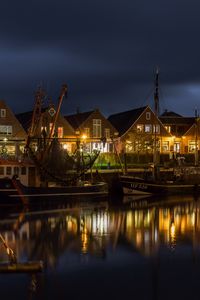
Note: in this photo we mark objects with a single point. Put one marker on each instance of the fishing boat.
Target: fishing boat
(13, 191)
(188, 184)
(58, 173)
(182, 180)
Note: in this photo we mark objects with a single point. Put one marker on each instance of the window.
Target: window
(3, 113)
(177, 147)
(87, 132)
(140, 128)
(168, 128)
(8, 170)
(148, 128)
(5, 129)
(96, 128)
(1, 170)
(60, 132)
(157, 128)
(23, 170)
(148, 115)
(107, 133)
(191, 146)
(16, 171)
(165, 146)
(50, 127)
(43, 129)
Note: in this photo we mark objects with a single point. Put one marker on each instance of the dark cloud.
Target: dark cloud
(106, 51)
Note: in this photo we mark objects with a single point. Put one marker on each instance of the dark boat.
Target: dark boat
(132, 185)
(12, 190)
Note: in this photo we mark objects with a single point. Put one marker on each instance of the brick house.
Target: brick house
(184, 131)
(12, 134)
(93, 130)
(63, 130)
(138, 129)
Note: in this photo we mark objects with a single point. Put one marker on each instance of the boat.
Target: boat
(58, 173)
(133, 185)
(183, 180)
(13, 191)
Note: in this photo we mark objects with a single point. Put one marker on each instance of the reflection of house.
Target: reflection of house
(93, 130)
(137, 130)
(63, 129)
(182, 130)
(12, 134)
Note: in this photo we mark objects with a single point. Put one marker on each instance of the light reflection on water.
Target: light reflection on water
(134, 240)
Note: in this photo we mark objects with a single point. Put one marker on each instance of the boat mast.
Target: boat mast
(156, 111)
(196, 139)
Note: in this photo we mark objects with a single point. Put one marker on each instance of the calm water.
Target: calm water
(128, 249)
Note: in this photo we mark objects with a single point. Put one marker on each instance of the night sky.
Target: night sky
(106, 51)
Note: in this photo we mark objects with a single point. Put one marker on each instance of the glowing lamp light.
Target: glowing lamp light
(84, 136)
(65, 146)
(5, 139)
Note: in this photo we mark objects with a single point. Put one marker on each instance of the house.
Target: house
(182, 130)
(93, 130)
(63, 130)
(138, 129)
(12, 134)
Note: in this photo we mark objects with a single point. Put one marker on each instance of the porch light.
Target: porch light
(5, 139)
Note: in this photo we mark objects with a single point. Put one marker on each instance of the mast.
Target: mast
(196, 139)
(156, 111)
(156, 93)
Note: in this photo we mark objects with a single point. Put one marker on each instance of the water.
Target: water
(128, 249)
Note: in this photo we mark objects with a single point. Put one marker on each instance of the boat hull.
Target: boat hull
(136, 186)
(15, 192)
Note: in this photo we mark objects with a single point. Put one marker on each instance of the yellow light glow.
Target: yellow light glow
(84, 136)
(5, 139)
(65, 146)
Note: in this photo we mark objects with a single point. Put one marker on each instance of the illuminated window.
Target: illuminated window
(192, 146)
(43, 128)
(148, 115)
(96, 128)
(60, 132)
(157, 127)
(140, 128)
(11, 149)
(148, 128)
(107, 133)
(87, 131)
(50, 127)
(3, 113)
(5, 129)
(177, 147)
(165, 146)
(168, 128)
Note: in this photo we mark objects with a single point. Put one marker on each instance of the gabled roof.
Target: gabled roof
(186, 121)
(77, 119)
(124, 120)
(172, 118)
(25, 118)
(170, 114)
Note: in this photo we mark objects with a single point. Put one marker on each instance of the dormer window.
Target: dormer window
(3, 112)
(148, 115)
